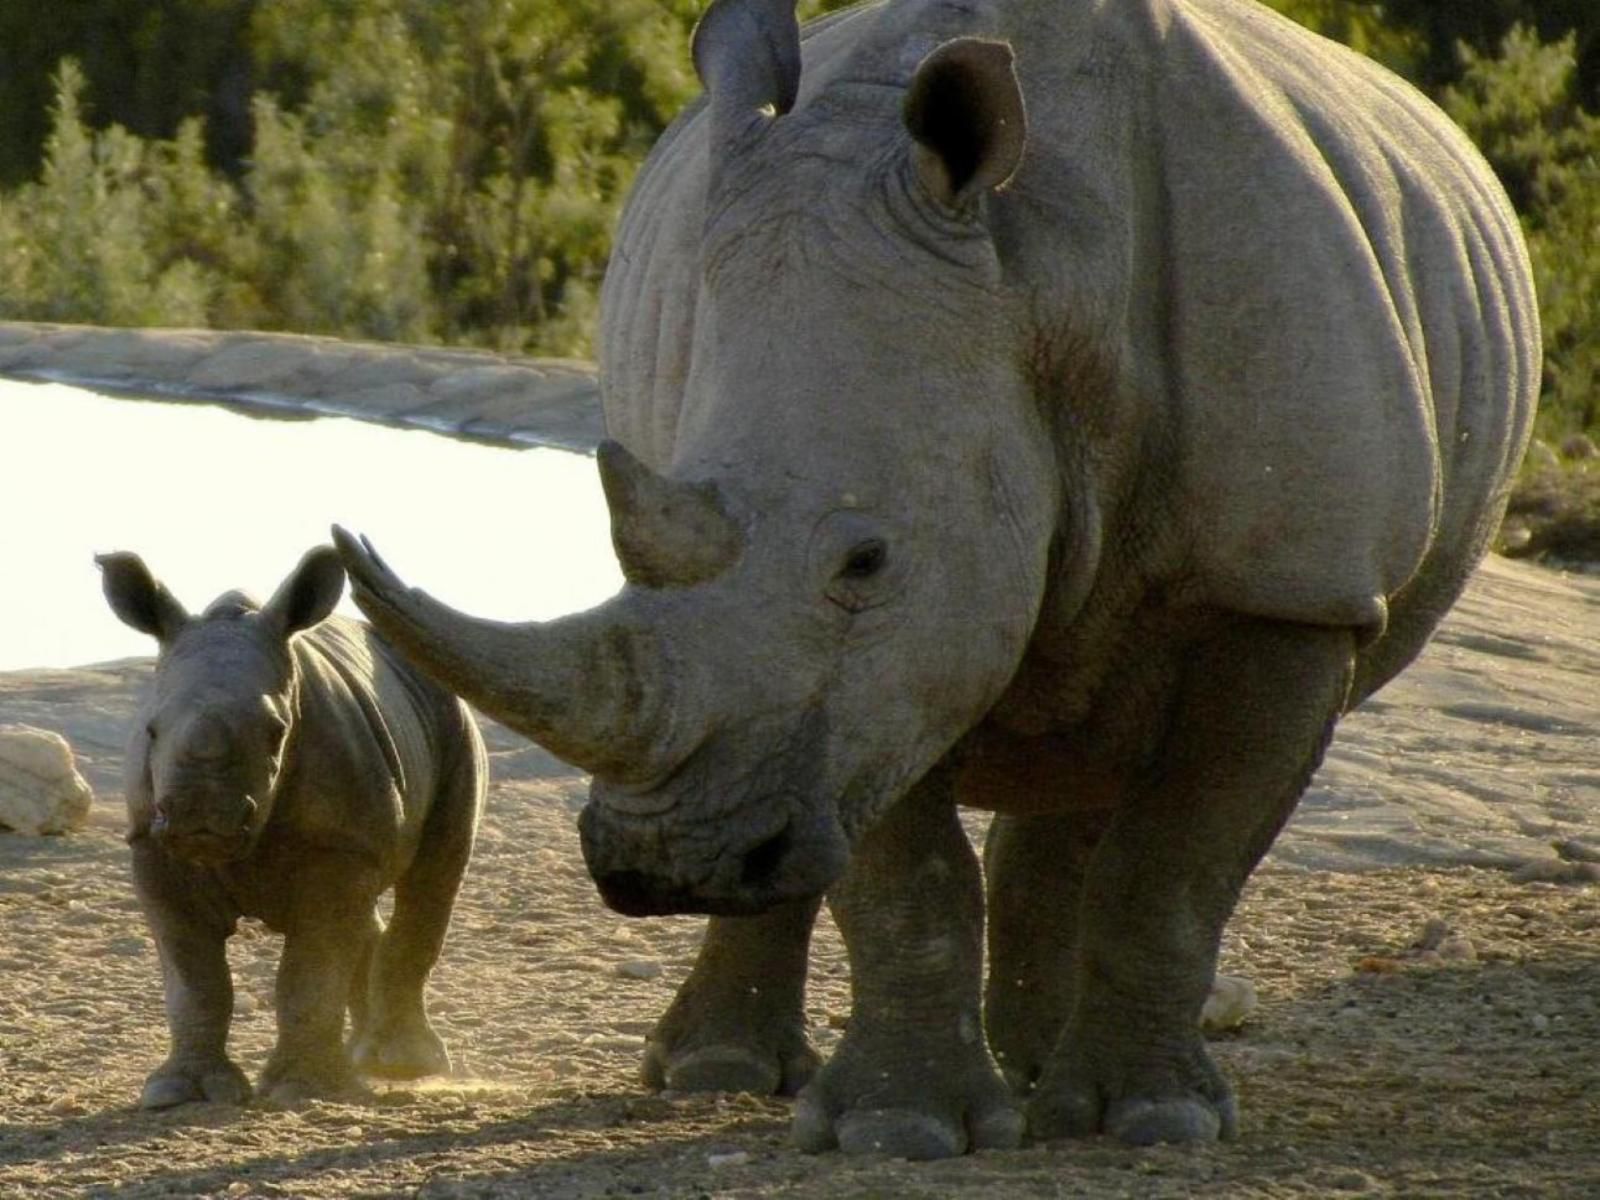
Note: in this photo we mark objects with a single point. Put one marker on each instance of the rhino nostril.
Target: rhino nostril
(762, 863)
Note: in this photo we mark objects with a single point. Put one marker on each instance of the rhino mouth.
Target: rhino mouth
(723, 833)
(204, 849)
(187, 834)
(648, 868)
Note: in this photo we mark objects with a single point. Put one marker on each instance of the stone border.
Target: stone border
(475, 394)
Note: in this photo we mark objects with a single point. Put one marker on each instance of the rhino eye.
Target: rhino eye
(865, 560)
(150, 731)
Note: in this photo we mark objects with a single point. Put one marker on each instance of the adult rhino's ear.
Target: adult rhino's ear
(309, 594)
(747, 54)
(140, 601)
(964, 109)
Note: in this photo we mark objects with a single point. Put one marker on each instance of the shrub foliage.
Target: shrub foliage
(405, 169)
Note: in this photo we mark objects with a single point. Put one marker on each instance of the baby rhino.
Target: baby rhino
(289, 766)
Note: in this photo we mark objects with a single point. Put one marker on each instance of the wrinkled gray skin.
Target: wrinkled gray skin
(1065, 407)
(289, 766)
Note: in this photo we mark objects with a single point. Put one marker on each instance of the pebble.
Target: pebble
(1434, 932)
(1573, 850)
(1231, 1001)
(1554, 870)
(1458, 949)
(1540, 1023)
(1347, 1180)
(638, 968)
(734, 1159)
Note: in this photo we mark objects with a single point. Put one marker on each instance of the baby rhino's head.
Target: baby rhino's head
(206, 763)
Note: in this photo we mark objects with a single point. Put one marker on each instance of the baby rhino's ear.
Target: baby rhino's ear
(309, 594)
(138, 598)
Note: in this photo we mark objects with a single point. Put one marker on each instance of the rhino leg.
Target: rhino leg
(332, 909)
(737, 1023)
(912, 1077)
(1252, 718)
(1034, 867)
(398, 1041)
(359, 1001)
(190, 928)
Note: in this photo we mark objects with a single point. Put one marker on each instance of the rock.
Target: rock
(1573, 850)
(639, 968)
(1554, 870)
(40, 788)
(1515, 536)
(1345, 1179)
(1457, 948)
(1433, 935)
(1232, 999)
(67, 1105)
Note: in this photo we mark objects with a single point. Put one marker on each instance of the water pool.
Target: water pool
(213, 499)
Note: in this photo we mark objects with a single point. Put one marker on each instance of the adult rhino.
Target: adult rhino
(1064, 407)
(288, 765)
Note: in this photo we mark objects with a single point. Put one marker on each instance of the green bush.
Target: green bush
(114, 230)
(451, 173)
(424, 172)
(1521, 108)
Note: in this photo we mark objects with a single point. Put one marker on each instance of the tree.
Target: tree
(1521, 107)
(146, 66)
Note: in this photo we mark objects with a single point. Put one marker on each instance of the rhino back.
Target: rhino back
(374, 741)
(1286, 310)
(1352, 342)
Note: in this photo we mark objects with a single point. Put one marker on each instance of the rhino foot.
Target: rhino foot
(737, 1023)
(759, 1064)
(922, 1101)
(286, 1083)
(174, 1083)
(1191, 1104)
(405, 1051)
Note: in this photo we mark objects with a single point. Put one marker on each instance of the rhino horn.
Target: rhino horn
(666, 533)
(587, 687)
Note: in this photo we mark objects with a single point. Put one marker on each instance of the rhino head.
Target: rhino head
(205, 766)
(836, 571)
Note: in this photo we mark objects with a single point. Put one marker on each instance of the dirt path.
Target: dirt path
(1367, 1069)
(1363, 1073)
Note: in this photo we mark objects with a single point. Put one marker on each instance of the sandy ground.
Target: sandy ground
(1368, 1069)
